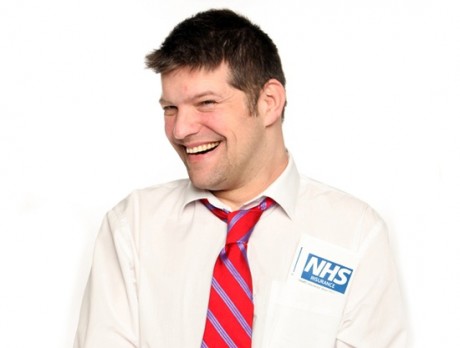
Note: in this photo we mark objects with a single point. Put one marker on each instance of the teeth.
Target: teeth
(201, 148)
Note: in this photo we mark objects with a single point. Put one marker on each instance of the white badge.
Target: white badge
(322, 265)
(306, 310)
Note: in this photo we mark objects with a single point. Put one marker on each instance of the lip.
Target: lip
(201, 148)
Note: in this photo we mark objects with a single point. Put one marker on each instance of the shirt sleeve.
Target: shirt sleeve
(109, 312)
(374, 314)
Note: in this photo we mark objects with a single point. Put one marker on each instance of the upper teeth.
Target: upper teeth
(201, 148)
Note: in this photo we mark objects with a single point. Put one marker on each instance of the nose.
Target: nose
(186, 123)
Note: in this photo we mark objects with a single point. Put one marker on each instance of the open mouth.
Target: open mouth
(201, 149)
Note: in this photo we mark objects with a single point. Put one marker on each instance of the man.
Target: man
(313, 268)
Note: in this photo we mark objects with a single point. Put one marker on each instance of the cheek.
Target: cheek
(169, 127)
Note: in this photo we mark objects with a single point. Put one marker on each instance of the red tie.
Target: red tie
(231, 309)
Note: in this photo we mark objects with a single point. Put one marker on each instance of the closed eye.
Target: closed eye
(169, 110)
(208, 102)
(207, 105)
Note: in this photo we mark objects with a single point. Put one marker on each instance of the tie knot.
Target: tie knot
(240, 223)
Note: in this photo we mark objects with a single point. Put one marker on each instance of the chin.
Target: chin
(199, 184)
(211, 179)
(204, 184)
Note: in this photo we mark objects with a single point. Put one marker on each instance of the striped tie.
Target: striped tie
(231, 309)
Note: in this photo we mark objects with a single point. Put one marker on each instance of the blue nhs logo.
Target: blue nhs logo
(326, 273)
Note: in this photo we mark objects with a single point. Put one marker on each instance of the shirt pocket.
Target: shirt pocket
(302, 315)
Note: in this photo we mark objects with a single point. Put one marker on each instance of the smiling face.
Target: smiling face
(222, 145)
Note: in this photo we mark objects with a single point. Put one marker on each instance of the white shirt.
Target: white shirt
(322, 269)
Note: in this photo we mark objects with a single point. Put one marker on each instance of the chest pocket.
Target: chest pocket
(302, 315)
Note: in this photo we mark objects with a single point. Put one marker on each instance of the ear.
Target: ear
(272, 100)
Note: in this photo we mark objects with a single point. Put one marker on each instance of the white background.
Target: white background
(373, 89)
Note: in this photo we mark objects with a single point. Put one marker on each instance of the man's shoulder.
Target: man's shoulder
(336, 216)
(316, 190)
(332, 203)
(169, 187)
(164, 195)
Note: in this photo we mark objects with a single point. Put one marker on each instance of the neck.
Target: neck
(237, 197)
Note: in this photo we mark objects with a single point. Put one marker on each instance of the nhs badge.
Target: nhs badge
(326, 273)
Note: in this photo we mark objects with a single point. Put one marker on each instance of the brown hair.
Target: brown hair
(209, 38)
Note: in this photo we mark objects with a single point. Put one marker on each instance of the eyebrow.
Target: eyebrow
(193, 98)
(163, 101)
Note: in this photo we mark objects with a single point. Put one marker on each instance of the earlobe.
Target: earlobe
(272, 100)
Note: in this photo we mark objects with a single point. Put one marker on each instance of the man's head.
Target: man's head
(223, 99)
(210, 38)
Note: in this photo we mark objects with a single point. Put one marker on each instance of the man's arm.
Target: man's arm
(109, 313)
(374, 315)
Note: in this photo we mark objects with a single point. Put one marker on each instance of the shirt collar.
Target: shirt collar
(283, 190)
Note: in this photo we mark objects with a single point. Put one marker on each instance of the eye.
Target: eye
(169, 110)
(206, 105)
(208, 102)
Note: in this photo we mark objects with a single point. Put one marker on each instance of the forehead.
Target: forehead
(187, 82)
